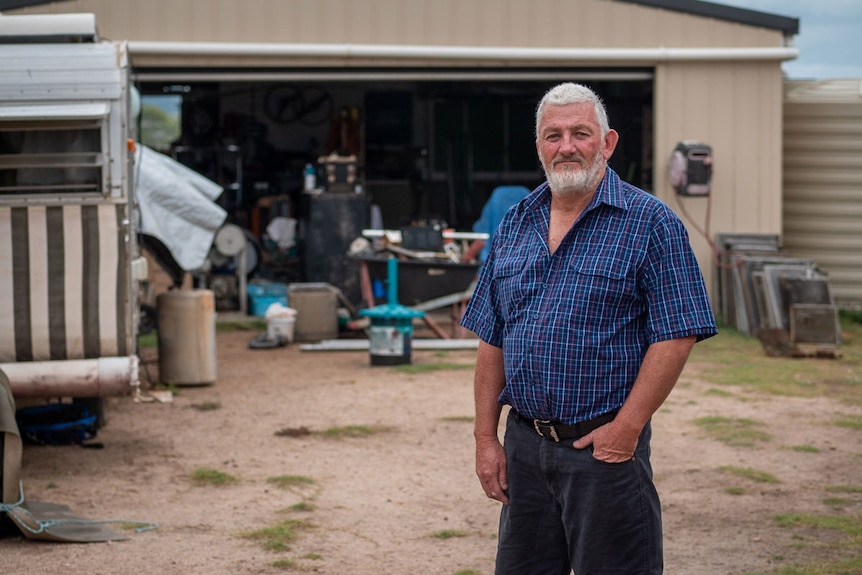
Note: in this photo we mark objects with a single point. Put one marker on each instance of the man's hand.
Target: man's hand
(491, 469)
(612, 442)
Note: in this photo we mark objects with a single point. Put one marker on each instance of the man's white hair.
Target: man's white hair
(571, 93)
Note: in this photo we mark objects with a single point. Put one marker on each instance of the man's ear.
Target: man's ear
(611, 139)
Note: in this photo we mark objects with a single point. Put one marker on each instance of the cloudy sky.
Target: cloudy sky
(829, 39)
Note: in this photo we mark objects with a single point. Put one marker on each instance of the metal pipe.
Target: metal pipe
(73, 378)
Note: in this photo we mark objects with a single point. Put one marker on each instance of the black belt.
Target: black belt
(556, 431)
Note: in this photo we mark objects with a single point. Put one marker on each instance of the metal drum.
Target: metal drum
(187, 344)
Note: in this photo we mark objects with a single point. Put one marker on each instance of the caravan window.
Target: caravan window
(47, 151)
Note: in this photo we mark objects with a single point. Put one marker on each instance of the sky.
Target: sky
(829, 39)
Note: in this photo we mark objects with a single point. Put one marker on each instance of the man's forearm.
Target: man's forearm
(487, 385)
(658, 374)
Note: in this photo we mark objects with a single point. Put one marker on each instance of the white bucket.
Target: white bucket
(280, 327)
(280, 321)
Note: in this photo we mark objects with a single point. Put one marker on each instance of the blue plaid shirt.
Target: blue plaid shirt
(574, 326)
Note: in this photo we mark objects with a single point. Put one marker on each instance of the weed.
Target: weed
(844, 488)
(278, 537)
(735, 491)
(738, 432)
(303, 506)
(148, 341)
(202, 476)
(289, 481)
(805, 448)
(838, 501)
(749, 473)
(847, 525)
(449, 534)
(851, 421)
(293, 432)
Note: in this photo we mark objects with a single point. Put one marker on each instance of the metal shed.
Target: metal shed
(458, 80)
(823, 180)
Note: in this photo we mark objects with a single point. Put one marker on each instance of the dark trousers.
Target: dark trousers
(568, 511)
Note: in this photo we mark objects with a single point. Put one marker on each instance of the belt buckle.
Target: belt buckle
(551, 429)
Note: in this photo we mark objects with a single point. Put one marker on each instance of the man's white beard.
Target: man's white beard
(576, 181)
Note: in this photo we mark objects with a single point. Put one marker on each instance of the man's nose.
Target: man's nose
(567, 144)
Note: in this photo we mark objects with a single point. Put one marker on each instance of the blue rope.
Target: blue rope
(44, 525)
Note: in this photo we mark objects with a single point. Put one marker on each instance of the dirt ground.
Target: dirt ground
(385, 502)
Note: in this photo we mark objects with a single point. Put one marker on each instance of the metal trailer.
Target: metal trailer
(70, 265)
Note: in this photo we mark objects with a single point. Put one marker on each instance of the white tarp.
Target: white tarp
(177, 206)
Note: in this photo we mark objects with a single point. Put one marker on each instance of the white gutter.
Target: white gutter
(646, 55)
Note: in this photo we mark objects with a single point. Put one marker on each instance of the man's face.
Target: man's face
(571, 148)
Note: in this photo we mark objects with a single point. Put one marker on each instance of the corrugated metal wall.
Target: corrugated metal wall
(823, 180)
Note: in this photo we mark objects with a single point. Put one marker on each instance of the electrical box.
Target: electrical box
(690, 169)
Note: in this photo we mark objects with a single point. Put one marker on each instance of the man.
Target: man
(586, 310)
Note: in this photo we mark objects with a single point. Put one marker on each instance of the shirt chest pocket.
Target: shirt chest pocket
(603, 278)
(512, 283)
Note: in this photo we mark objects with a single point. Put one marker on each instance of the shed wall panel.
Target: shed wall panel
(733, 108)
(550, 23)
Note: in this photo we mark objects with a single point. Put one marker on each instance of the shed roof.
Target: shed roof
(768, 20)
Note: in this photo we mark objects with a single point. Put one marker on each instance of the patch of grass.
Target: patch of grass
(467, 572)
(460, 418)
(842, 523)
(735, 491)
(718, 392)
(303, 506)
(838, 501)
(206, 406)
(313, 556)
(734, 359)
(52, 485)
(749, 473)
(805, 448)
(300, 431)
(251, 325)
(426, 367)
(844, 488)
(450, 533)
(738, 432)
(353, 431)
(851, 421)
(148, 340)
(203, 476)
(284, 564)
(278, 537)
(290, 481)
